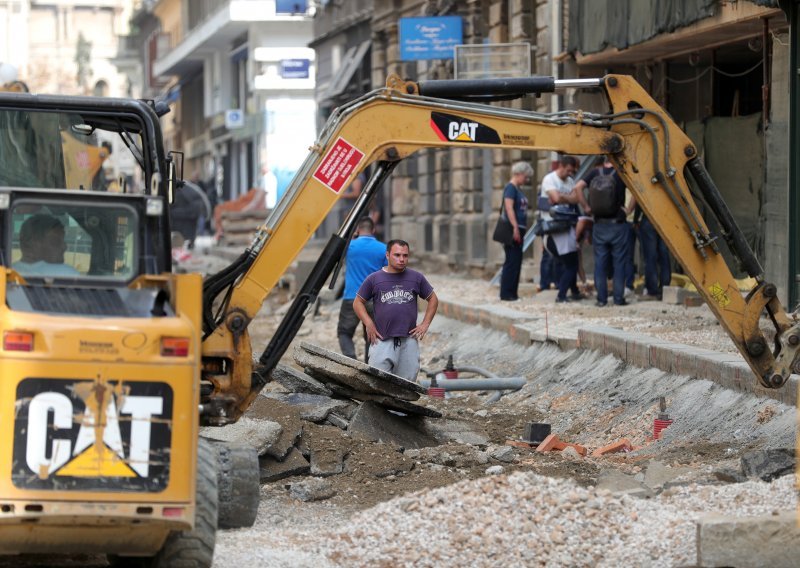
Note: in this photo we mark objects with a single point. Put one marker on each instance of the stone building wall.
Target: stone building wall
(445, 202)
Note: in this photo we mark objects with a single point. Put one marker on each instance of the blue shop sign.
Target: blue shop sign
(295, 68)
(429, 38)
(291, 6)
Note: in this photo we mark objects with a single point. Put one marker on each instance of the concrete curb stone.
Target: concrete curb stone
(726, 369)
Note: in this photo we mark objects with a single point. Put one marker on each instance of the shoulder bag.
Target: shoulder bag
(504, 230)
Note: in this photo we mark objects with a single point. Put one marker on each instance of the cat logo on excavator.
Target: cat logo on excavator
(92, 435)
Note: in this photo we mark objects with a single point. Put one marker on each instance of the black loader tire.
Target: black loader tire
(238, 479)
(192, 548)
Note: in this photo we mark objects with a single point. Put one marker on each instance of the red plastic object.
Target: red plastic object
(658, 426)
(436, 392)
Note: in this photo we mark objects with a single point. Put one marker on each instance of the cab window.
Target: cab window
(59, 241)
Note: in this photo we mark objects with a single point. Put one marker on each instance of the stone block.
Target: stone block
(748, 542)
(255, 433)
(498, 34)
(673, 358)
(714, 366)
(285, 415)
(676, 295)
(518, 6)
(498, 14)
(521, 27)
(638, 351)
(312, 490)
(328, 460)
(768, 465)
(273, 469)
(375, 423)
(520, 333)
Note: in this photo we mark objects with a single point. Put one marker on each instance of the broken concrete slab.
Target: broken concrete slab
(297, 381)
(744, 542)
(314, 407)
(255, 433)
(457, 431)
(768, 465)
(658, 474)
(355, 374)
(622, 484)
(273, 469)
(328, 461)
(386, 401)
(285, 415)
(375, 423)
(313, 489)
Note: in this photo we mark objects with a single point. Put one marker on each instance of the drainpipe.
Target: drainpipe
(793, 16)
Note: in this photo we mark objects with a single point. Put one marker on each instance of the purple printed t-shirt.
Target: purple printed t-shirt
(394, 297)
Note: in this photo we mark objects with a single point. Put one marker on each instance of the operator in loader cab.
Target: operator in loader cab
(41, 240)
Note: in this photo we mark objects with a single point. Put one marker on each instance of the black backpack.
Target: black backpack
(603, 195)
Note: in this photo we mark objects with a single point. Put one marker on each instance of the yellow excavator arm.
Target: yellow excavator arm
(652, 155)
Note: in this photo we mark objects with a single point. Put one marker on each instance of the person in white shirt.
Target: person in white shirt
(41, 240)
(559, 188)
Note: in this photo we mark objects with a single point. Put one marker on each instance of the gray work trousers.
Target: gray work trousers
(398, 355)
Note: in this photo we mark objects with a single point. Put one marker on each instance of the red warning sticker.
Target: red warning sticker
(338, 164)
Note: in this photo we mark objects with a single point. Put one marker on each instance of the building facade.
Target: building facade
(720, 68)
(241, 80)
(66, 46)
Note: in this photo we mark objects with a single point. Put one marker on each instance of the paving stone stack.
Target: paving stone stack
(239, 226)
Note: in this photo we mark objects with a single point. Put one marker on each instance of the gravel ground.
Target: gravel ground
(542, 510)
(529, 520)
(523, 519)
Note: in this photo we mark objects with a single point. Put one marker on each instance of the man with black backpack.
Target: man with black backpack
(558, 188)
(610, 231)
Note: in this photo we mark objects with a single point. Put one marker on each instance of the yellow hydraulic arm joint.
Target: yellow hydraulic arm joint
(649, 150)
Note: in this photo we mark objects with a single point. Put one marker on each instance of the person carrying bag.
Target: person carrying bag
(514, 212)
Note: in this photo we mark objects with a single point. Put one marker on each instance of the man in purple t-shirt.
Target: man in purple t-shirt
(395, 334)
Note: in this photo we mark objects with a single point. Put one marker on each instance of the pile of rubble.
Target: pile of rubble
(294, 432)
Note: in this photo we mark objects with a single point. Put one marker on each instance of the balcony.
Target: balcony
(218, 30)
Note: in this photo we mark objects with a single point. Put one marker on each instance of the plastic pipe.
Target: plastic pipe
(494, 383)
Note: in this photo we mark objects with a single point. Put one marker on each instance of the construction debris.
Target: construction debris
(552, 443)
(623, 445)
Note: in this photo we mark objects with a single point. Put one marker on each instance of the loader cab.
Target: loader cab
(84, 190)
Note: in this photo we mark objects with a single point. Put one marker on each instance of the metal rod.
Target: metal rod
(561, 84)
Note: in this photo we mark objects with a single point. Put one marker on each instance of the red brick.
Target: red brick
(623, 445)
(520, 444)
(551, 443)
(578, 448)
